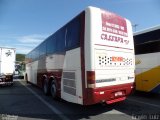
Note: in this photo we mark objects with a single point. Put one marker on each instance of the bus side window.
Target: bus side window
(35, 54)
(60, 40)
(51, 44)
(73, 34)
(148, 47)
(42, 49)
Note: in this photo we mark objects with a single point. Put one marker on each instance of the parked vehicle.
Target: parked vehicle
(89, 60)
(7, 65)
(147, 50)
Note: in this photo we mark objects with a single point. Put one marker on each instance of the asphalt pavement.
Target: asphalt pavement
(24, 101)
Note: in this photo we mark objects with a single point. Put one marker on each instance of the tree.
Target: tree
(20, 57)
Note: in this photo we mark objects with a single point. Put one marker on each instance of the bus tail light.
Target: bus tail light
(91, 79)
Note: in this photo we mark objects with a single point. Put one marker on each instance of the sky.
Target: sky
(26, 23)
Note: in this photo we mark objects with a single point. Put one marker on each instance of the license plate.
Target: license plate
(118, 93)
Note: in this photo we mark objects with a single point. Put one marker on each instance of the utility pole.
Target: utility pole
(135, 26)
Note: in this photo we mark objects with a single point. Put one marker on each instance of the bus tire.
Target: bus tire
(26, 78)
(53, 90)
(46, 87)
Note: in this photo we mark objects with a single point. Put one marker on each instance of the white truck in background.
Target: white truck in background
(7, 65)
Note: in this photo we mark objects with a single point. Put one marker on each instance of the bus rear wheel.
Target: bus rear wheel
(45, 87)
(26, 78)
(53, 90)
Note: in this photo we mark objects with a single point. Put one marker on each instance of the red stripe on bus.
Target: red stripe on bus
(113, 46)
(82, 56)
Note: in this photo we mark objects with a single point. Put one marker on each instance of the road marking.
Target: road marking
(145, 103)
(60, 114)
(8, 117)
(17, 80)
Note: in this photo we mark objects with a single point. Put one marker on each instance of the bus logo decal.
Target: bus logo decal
(9, 53)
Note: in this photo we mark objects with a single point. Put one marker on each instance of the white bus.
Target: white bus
(147, 50)
(87, 61)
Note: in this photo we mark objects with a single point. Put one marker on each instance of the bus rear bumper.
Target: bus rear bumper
(109, 94)
(116, 100)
